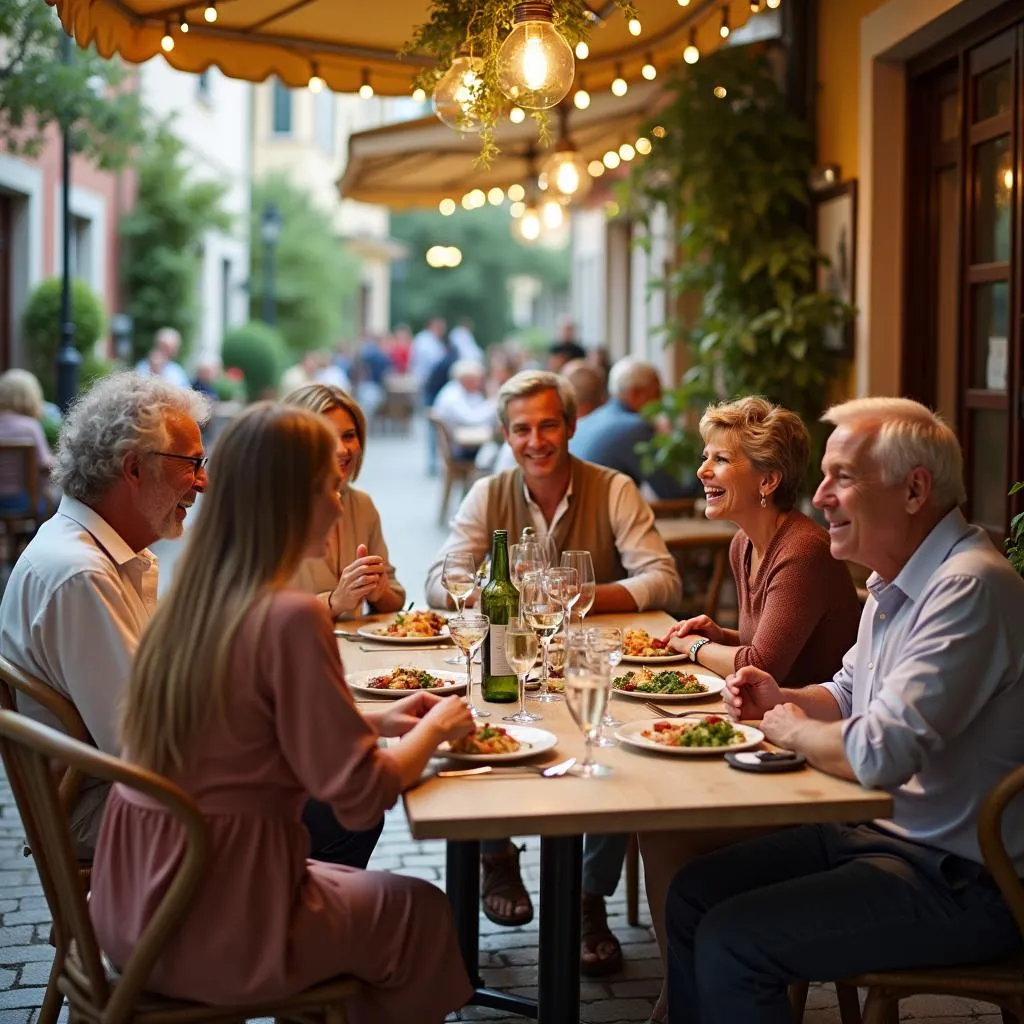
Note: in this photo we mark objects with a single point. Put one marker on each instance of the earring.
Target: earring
(764, 501)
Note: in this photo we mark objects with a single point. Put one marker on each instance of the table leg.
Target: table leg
(462, 883)
(561, 872)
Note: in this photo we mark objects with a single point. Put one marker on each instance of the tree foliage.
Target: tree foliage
(259, 351)
(37, 90)
(316, 279)
(163, 236)
(478, 286)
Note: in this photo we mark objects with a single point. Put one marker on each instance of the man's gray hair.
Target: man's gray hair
(121, 413)
(527, 383)
(908, 435)
(629, 373)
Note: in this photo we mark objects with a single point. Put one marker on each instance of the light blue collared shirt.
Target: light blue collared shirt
(933, 690)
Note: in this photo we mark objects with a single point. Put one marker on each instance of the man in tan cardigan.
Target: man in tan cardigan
(581, 506)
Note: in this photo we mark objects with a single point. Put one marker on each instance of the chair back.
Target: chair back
(445, 444)
(673, 508)
(13, 681)
(22, 457)
(993, 849)
(28, 749)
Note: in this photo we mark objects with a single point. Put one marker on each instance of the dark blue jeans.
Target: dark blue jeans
(331, 842)
(816, 903)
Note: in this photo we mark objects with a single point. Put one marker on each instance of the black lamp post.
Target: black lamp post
(270, 232)
(68, 357)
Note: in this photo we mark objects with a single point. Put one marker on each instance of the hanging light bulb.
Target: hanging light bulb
(774, 4)
(619, 85)
(634, 26)
(595, 168)
(649, 71)
(527, 227)
(566, 172)
(183, 25)
(167, 40)
(516, 192)
(755, 6)
(581, 98)
(516, 210)
(691, 54)
(643, 145)
(419, 96)
(582, 50)
(535, 65)
(210, 14)
(495, 196)
(517, 115)
(366, 90)
(456, 94)
(723, 29)
(315, 83)
(611, 159)
(626, 152)
(447, 207)
(552, 214)
(720, 92)
(683, 3)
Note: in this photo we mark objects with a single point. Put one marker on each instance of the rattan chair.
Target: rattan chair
(1000, 982)
(96, 993)
(456, 471)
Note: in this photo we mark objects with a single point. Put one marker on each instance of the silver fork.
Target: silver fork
(554, 771)
(664, 713)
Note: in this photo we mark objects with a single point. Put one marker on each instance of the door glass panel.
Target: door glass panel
(991, 318)
(993, 92)
(989, 431)
(993, 190)
(949, 117)
(947, 292)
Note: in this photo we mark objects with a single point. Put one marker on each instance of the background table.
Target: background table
(685, 535)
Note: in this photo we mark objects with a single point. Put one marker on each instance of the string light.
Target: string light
(582, 50)
(620, 86)
(611, 159)
(516, 210)
(658, 131)
(721, 92)
(517, 115)
(552, 214)
(649, 71)
(683, 3)
(755, 6)
(167, 40)
(419, 96)
(627, 152)
(516, 193)
(581, 98)
(724, 29)
(183, 25)
(315, 83)
(496, 196)
(447, 207)
(634, 26)
(535, 66)
(691, 54)
(366, 90)
(210, 14)
(595, 168)
(774, 4)
(643, 145)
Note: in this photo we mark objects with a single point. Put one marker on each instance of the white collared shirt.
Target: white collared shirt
(74, 609)
(651, 575)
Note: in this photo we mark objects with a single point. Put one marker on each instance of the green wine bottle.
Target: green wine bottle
(499, 601)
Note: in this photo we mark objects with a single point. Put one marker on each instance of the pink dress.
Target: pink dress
(268, 922)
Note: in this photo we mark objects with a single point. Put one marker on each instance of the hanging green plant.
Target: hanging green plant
(475, 29)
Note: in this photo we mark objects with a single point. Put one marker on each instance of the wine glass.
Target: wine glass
(524, 557)
(544, 614)
(458, 579)
(521, 652)
(586, 694)
(469, 631)
(584, 566)
(605, 645)
(564, 587)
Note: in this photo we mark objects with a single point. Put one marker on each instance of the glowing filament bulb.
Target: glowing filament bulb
(535, 62)
(567, 178)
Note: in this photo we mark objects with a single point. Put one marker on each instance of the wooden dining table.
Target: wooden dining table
(644, 792)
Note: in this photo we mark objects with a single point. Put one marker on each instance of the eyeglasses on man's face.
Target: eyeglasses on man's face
(198, 461)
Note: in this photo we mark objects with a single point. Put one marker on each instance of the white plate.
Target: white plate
(665, 659)
(379, 634)
(534, 741)
(714, 685)
(359, 683)
(630, 734)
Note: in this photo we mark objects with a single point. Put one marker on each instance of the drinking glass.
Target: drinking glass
(564, 587)
(524, 557)
(586, 694)
(544, 614)
(605, 645)
(584, 566)
(521, 652)
(458, 579)
(469, 631)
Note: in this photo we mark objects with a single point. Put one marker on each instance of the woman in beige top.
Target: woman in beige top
(354, 569)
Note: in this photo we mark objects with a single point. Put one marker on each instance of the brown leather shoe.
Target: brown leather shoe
(502, 882)
(600, 952)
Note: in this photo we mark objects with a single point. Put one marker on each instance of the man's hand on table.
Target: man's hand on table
(750, 694)
(782, 725)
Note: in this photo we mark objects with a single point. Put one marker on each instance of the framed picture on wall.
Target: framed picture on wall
(835, 216)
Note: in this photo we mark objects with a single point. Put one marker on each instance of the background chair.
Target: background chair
(456, 471)
(97, 995)
(18, 526)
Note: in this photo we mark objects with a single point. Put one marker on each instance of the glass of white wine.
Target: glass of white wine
(544, 614)
(586, 694)
(521, 652)
(605, 646)
(584, 566)
(458, 577)
(469, 631)
(524, 557)
(563, 584)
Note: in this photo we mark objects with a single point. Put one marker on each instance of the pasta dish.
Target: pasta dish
(638, 643)
(666, 681)
(406, 679)
(487, 739)
(425, 624)
(713, 731)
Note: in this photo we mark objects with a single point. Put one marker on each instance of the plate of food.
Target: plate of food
(408, 628)
(495, 743)
(639, 647)
(401, 681)
(712, 734)
(669, 685)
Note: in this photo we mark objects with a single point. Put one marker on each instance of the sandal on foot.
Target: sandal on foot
(502, 881)
(600, 952)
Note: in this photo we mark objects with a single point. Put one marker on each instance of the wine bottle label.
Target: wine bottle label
(499, 661)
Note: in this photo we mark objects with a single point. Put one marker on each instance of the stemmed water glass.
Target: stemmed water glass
(564, 586)
(469, 631)
(526, 556)
(521, 653)
(544, 613)
(586, 694)
(605, 646)
(458, 579)
(584, 566)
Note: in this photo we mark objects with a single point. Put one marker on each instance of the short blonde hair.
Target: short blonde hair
(772, 438)
(908, 434)
(20, 392)
(325, 398)
(527, 383)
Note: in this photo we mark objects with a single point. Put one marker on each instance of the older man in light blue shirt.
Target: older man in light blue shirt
(929, 705)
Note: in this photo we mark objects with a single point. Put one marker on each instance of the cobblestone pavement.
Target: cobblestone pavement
(408, 501)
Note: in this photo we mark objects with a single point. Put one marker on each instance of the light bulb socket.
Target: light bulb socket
(533, 10)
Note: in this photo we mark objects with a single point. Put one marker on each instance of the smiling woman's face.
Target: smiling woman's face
(349, 448)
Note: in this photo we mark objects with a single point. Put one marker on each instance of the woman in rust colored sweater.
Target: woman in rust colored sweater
(798, 608)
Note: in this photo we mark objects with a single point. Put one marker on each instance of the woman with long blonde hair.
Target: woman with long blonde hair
(237, 694)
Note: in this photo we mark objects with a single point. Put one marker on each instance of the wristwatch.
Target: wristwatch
(696, 646)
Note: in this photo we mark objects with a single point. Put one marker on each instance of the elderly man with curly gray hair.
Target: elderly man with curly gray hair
(129, 462)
